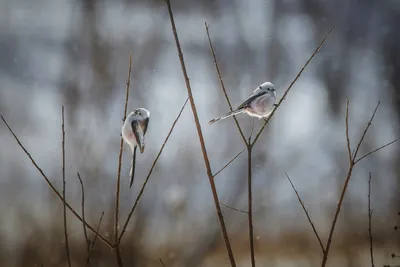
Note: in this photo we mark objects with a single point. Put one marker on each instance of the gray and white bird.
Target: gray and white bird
(133, 132)
(259, 104)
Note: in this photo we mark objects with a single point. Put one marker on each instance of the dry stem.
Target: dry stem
(63, 189)
(369, 221)
(94, 240)
(201, 139)
(306, 212)
(87, 240)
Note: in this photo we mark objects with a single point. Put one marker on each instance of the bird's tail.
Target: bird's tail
(227, 115)
(133, 164)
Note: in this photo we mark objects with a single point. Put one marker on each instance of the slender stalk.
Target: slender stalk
(369, 221)
(94, 240)
(87, 240)
(250, 205)
(226, 165)
(118, 180)
(232, 208)
(306, 212)
(201, 139)
(63, 190)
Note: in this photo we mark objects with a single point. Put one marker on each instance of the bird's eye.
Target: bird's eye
(260, 87)
(139, 113)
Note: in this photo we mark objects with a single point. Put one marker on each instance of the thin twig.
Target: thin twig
(87, 240)
(226, 165)
(63, 188)
(366, 130)
(161, 262)
(201, 139)
(121, 145)
(94, 240)
(375, 150)
(150, 172)
(250, 204)
(232, 208)
(102, 238)
(290, 86)
(306, 212)
(118, 182)
(222, 84)
(352, 163)
(347, 131)
(369, 221)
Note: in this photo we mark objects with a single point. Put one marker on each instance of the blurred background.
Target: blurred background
(75, 53)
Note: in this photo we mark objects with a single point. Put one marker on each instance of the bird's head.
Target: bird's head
(268, 87)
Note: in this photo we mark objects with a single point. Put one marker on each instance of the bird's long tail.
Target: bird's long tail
(133, 163)
(227, 115)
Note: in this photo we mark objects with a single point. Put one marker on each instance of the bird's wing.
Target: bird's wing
(134, 126)
(146, 125)
(254, 95)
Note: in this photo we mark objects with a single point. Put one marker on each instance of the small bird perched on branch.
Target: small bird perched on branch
(259, 104)
(133, 132)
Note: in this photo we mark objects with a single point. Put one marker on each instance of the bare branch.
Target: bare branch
(94, 240)
(121, 146)
(365, 131)
(375, 150)
(102, 238)
(369, 221)
(83, 213)
(347, 131)
(226, 165)
(63, 190)
(250, 204)
(306, 212)
(290, 86)
(161, 262)
(222, 84)
(232, 208)
(150, 172)
(201, 139)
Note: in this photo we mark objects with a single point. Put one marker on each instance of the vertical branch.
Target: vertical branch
(250, 205)
(201, 139)
(118, 183)
(87, 240)
(63, 192)
(369, 221)
(94, 240)
(117, 189)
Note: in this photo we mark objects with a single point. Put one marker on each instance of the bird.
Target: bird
(259, 104)
(133, 132)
